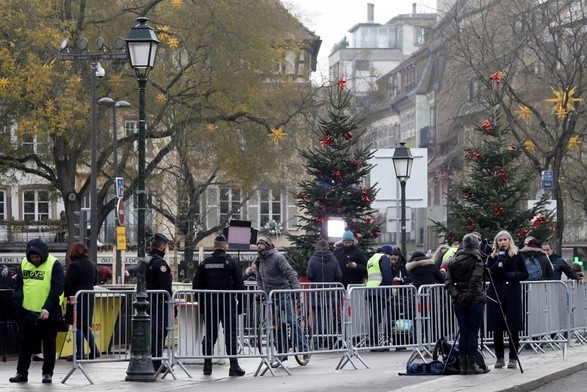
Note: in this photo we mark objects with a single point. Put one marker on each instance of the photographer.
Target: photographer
(504, 306)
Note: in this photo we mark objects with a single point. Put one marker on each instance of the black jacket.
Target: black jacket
(464, 277)
(158, 272)
(560, 266)
(345, 254)
(219, 272)
(424, 271)
(542, 257)
(82, 274)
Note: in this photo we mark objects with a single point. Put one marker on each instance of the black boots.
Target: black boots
(472, 367)
(207, 367)
(18, 378)
(463, 364)
(235, 369)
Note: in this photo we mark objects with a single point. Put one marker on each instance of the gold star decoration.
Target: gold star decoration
(277, 134)
(529, 145)
(176, 3)
(210, 128)
(161, 98)
(173, 42)
(574, 143)
(523, 113)
(116, 80)
(3, 83)
(163, 32)
(564, 102)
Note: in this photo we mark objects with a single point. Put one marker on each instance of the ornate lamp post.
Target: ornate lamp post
(402, 163)
(109, 102)
(141, 46)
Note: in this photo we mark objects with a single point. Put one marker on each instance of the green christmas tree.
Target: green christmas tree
(337, 166)
(494, 193)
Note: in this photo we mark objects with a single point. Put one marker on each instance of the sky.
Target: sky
(331, 19)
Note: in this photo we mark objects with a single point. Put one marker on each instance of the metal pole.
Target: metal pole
(140, 366)
(93, 192)
(403, 221)
(118, 260)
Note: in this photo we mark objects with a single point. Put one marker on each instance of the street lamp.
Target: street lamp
(141, 46)
(402, 163)
(109, 102)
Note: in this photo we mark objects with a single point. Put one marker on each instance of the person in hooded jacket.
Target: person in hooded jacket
(507, 269)
(533, 249)
(464, 284)
(323, 268)
(37, 303)
(82, 274)
(423, 270)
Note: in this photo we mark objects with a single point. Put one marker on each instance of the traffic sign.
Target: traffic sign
(121, 237)
(119, 187)
(120, 211)
(547, 179)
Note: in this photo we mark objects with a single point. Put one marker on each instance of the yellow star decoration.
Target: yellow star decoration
(163, 32)
(173, 42)
(176, 3)
(574, 143)
(3, 83)
(529, 145)
(523, 113)
(161, 98)
(277, 134)
(564, 102)
(210, 128)
(116, 80)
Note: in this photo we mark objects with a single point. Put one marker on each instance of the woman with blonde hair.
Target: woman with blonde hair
(504, 306)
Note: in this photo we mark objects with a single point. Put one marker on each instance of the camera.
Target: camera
(100, 72)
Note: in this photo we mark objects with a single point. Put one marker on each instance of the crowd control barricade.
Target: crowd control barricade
(199, 310)
(578, 303)
(382, 318)
(9, 333)
(547, 315)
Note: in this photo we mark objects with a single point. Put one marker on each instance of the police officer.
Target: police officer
(219, 272)
(158, 278)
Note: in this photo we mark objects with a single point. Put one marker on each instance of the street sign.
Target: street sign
(120, 211)
(119, 187)
(547, 179)
(121, 237)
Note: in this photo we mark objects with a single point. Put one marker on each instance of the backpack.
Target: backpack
(534, 268)
(433, 368)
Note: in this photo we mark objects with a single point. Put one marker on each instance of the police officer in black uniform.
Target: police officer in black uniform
(158, 278)
(219, 272)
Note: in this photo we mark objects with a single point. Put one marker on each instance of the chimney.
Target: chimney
(370, 12)
(414, 8)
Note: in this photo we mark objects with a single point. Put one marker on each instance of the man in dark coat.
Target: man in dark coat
(423, 270)
(158, 278)
(559, 265)
(352, 260)
(219, 272)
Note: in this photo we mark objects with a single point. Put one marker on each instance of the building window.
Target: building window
(362, 65)
(269, 207)
(36, 205)
(408, 124)
(419, 35)
(230, 198)
(2, 205)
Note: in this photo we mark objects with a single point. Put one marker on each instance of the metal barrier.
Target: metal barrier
(578, 314)
(9, 332)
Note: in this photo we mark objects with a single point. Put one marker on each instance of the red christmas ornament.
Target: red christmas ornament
(327, 141)
(502, 176)
(369, 221)
(337, 175)
(523, 233)
(306, 199)
(341, 82)
(473, 155)
(358, 235)
(496, 77)
(356, 162)
(365, 195)
(470, 225)
(348, 135)
(487, 125)
(321, 219)
(498, 210)
(538, 219)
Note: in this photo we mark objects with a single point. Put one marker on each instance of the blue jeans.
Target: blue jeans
(285, 304)
(469, 317)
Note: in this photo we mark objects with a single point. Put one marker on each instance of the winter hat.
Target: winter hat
(265, 241)
(158, 240)
(417, 256)
(220, 242)
(471, 241)
(37, 246)
(322, 245)
(534, 243)
(348, 236)
(387, 249)
(503, 233)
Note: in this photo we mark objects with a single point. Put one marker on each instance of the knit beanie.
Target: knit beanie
(471, 241)
(348, 236)
(220, 242)
(265, 241)
(322, 245)
(387, 249)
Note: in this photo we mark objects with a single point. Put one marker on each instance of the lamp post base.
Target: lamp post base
(140, 370)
